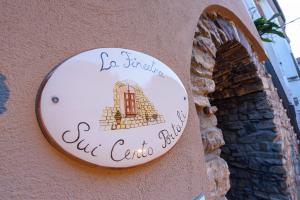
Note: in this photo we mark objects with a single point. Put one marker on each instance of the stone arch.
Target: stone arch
(248, 31)
(250, 135)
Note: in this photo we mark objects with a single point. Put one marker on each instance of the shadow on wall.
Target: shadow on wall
(4, 93)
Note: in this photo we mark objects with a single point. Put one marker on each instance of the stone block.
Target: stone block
(249, 127)
(265, 124)
(267, 155)
(243, 117)
(210, 110)
(202, 85)
(218, 176)
(201, 100)
(233, 117)
(255, 115)
(248, 88)
(266, 135)
(265, 146)
(198, 70)
(207, 121)
(226, 150)
(208, 156)
(206, 45)
(230, 137)
(261, 195)
(277, 146)
(268, 115)
(258, 136)
(278, 170)
(263, 104)
(202, 30)
(279, 197)
(234, 125)
(212, 139)
(202, 58)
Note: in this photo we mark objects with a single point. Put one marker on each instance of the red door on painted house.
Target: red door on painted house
(129, 100)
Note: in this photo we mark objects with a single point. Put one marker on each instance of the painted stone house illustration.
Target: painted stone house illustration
(131, 108)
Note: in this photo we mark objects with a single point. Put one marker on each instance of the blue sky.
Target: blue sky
(291, 10)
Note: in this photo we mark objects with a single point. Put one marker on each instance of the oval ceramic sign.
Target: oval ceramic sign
(113, 107)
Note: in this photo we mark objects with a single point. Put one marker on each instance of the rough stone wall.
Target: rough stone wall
(260, 144)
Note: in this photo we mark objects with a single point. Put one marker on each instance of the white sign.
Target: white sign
(113, 107)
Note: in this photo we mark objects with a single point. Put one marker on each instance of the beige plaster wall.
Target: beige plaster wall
(37, 35)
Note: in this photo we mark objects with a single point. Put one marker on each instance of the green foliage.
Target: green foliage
(266, 26)
(118, 115)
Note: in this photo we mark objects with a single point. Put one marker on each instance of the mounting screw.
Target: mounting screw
(184, 98)
(55, 99)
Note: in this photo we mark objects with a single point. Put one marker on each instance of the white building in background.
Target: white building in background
(295, 86)
(279, 52)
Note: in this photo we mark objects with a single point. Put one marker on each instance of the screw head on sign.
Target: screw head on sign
(55, 99)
